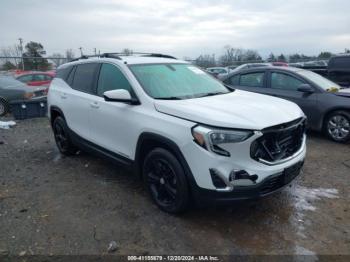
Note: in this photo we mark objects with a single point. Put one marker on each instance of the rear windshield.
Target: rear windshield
(178, 81)
(322, 82)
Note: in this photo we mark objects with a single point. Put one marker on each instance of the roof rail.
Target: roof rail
(113, 55)
(118, 55)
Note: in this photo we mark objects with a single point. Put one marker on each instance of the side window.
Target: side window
(252, 79)
(63, 73)
(47, 78)
(111, 78)
(283, 81)
(84, 77)
(38, 77)
(25, 78)
(233, 80)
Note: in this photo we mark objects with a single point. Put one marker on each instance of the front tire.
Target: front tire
(61, 133)
(165, 180)
(337, 126)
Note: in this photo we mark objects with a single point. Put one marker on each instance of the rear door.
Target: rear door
(284, 84)
(76, 101)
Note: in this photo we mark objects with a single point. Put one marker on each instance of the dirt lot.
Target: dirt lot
(51, 204)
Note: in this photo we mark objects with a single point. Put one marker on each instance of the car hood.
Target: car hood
(239, 109)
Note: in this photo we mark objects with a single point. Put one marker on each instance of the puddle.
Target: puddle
(304, 199)
(57, 157)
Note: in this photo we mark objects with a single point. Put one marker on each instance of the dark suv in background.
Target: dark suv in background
(326, 104)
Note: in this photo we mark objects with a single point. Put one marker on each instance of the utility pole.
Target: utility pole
(81, 51)
(95, 50)
(21, 49)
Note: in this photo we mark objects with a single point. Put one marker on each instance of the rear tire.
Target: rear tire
(165, 180)
(337, 126)
(62, 138)
(4, 107)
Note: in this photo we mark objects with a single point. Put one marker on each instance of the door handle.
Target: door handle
(63, 95)
(94, 105)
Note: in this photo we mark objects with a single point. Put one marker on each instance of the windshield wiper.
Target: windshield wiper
(212, 94)
(169, 98)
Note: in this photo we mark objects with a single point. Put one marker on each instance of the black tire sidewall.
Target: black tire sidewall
(6, 106)
(70, 149)
(182, 197)
(341, 113)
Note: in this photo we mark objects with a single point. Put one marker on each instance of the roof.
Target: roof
(280, 68)
(130, 60)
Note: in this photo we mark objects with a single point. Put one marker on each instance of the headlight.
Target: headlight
(210, 139)
(29, 95)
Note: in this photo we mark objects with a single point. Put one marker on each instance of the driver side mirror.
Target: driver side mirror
(120, 95)
(306, 88)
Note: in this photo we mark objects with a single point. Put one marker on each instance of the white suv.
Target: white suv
(188, 136)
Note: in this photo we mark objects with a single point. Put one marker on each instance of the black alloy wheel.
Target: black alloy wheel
(166, 181)
(63, 142)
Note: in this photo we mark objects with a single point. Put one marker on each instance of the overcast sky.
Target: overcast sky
(178, 27)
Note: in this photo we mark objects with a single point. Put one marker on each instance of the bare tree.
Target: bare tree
(70, 55)
(127, 51)
(205, 61)
(58, 59)
(11, 51)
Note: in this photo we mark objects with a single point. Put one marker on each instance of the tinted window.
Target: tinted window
(252, 79)
(111, 78)
(47, 77)
(63, 73)
(39, 78)
(283, 81)
(84, 77)
(340, 62)
(233, 80)
(25, 79)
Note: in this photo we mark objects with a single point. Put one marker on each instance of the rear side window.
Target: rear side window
(84, 77)
(252, 79)
(26, 78)
(39, 78)
(63, 73)
(111, 78)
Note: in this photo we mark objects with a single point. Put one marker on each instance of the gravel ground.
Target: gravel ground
(50, 204)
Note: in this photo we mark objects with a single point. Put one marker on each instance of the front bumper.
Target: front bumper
(269, 185)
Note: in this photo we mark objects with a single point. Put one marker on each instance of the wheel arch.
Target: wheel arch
(148, 141)
(55, 112)
(331, 111)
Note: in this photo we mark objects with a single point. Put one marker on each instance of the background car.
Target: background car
(325, 103)
(12, 89)
(218, 72)
(279, 63)
(250, 65)
(36, 78)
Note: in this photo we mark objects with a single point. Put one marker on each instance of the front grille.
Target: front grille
(272, 185)
(279, 142)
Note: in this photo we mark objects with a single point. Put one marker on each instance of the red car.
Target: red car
(279, 64)
(36, 78)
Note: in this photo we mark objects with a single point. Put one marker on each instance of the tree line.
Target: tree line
(32, 57)
(237, 56)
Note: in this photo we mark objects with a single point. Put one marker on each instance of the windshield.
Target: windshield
(176, 81)
(322, 82)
